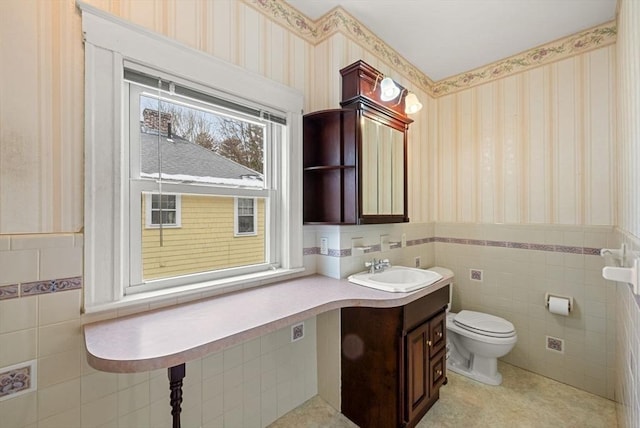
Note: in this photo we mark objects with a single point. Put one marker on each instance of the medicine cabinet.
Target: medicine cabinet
(355, 157)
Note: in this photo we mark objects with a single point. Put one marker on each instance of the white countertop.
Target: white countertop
(171, 336)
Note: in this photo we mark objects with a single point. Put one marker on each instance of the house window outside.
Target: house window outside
(163, 209)
(246, 219)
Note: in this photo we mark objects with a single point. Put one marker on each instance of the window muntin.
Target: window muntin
(209, 158)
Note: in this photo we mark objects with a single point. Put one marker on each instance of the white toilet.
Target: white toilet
(475, 341)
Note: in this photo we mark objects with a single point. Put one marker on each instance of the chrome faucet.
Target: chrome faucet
(376, 266)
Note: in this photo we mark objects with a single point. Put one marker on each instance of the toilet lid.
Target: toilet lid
(485, 324)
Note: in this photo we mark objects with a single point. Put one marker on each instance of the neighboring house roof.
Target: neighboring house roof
(185, 161)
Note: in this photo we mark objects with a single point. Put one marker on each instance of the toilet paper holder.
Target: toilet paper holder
(549, 295)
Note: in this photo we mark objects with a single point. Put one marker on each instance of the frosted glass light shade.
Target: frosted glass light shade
(388, 89)
(411, 104)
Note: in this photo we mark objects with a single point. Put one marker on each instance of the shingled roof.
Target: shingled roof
(185, 161)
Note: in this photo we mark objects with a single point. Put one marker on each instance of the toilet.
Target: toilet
(475, 341)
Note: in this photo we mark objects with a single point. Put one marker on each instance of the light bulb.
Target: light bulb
(388, 89)
(412, 105)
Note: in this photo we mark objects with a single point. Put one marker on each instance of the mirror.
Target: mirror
(382, 169)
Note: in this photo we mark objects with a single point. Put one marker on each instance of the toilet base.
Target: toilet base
(495, 379)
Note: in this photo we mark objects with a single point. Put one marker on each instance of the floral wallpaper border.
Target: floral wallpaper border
(587, 40)
(338, 20)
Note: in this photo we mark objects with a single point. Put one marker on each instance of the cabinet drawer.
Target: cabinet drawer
(418, 311)
(437, 371)
(437, 334)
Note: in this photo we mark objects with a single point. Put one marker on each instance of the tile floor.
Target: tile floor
(523, 400)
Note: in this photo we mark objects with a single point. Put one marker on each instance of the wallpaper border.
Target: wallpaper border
(338, 20)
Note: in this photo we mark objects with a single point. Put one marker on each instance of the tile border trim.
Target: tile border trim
(18, 379)
(27, 289)
(567, 249)
(11, 291)
(50, 286)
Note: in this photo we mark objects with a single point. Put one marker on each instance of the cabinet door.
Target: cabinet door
(417, 370)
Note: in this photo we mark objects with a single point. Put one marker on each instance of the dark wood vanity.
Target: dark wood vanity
(354, 161)
(393, 361)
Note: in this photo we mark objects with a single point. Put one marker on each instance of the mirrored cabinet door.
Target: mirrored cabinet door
(382, 169)
(369, 170)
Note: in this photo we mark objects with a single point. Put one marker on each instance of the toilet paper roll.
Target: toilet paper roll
(558, 305)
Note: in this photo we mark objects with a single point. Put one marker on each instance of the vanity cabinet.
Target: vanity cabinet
(354, 158)
(393, 361)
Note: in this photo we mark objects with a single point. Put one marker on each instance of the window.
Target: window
(246, 219)
(192, 169)
(217, 158)
(162, 209)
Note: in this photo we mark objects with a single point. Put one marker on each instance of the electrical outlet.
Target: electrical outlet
(324, 246)
(403, 240)
(475, 275)
(297, 332)
(417, 261)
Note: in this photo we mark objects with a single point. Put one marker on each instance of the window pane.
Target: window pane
(245, 224)
(206, 240)
(245, 206)
(168, 217)
(191, 144)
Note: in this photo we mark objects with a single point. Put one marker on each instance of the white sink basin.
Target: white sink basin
(396, 279)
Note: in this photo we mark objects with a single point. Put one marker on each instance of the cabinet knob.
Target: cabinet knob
(439, 334)
(429, 343)
(439, 373)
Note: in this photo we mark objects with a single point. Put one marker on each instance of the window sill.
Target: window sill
(168, 296)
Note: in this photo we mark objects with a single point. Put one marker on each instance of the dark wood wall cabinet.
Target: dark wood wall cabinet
(393, 361)
(355, 157)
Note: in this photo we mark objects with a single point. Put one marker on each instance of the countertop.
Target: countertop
(174, 335)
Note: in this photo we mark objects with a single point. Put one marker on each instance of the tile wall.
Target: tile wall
(628, 347)
(519, 263)
(249, 385)
(628, 221)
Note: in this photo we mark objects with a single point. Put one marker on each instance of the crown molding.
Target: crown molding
(337, 20)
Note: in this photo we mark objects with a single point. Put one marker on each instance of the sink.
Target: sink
(396, 279)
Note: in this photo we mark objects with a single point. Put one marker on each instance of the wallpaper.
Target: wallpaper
(533, 145)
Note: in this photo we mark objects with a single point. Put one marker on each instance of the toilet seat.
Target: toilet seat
(484, 324)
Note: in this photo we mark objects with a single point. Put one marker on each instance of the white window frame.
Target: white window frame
(110, 42)
(149, 209)
(236, 217)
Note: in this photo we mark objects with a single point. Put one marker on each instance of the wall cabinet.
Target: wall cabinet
(393, 361)
(355, 157)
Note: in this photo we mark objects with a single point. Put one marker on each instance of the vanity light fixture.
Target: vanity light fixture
(388, 89)
(412, 104)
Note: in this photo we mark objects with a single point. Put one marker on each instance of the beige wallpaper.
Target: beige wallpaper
(531, 147)
(535, 147)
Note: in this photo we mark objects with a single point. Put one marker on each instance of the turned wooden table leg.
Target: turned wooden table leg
(176, 374)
